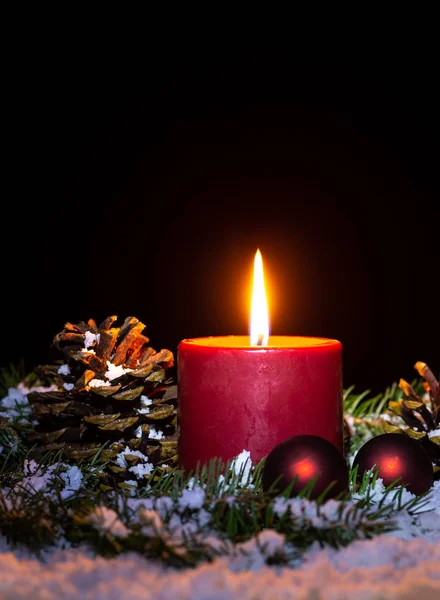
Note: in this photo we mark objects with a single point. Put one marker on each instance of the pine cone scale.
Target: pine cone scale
(421, 413)
(106, 345)
(113, 394)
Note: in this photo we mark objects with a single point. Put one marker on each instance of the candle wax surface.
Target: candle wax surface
(275, 341)
(235, 397)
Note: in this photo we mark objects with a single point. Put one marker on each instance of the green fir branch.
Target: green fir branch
(235, 508)
(41, 520)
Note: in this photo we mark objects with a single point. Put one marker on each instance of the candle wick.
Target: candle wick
(260, 339)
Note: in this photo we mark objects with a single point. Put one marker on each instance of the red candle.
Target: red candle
(251, 393)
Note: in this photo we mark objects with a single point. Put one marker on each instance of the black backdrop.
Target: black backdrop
(145, 190)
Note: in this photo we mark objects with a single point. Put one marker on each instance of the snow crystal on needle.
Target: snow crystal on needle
(164, 505)
(253, 554)
(298, 507)
(73, 479)
(151, 521)
(434, 498)
(133, 484)
(14, 398)
(16, 402)
(194, 498)
(106, 520)
(41, 478)
(36, 477)
(242, 466)
(377, 493)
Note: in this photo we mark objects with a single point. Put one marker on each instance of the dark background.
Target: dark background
(145, 189)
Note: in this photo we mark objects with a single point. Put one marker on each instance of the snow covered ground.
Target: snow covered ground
(402, 564)
(386, 567)
(398, 565)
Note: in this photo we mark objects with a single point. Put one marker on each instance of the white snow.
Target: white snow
(106, 521)
(400, 565)
(87, 351)
(72, 478)
(242, 466)
(145, 403)
(14, 398)
(403, 564)
(155, 434)
(121, 457)
(151, 521)
(141, 469)
(194, 498)
(15, 404)
(49, 480)
(98, 383)
(90, 338)
(384, 568)
(114, 371)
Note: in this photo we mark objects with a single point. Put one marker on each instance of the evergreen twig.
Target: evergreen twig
(235, 508)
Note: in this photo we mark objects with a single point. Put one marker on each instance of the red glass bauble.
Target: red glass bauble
(303, 458)
(396, 455)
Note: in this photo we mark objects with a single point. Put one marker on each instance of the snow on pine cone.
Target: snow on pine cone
(113, 398)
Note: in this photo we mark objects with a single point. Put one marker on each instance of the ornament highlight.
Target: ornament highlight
(396, 456)
(303, 459)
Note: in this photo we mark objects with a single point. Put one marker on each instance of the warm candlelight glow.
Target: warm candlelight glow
(259, 311)
(392, 465)
(257, 390)
(304, 468)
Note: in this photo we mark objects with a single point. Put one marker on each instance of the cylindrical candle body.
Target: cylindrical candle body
(234, 397)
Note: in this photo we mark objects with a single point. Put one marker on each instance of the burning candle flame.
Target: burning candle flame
(259, 310)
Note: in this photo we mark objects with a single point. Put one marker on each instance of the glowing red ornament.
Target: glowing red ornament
(303, 458)
(396, 456)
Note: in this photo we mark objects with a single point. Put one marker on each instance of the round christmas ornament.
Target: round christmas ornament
(304, 458)
(393, 456)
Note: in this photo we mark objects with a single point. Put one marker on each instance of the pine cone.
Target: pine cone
(113, 398)
(421, 414)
